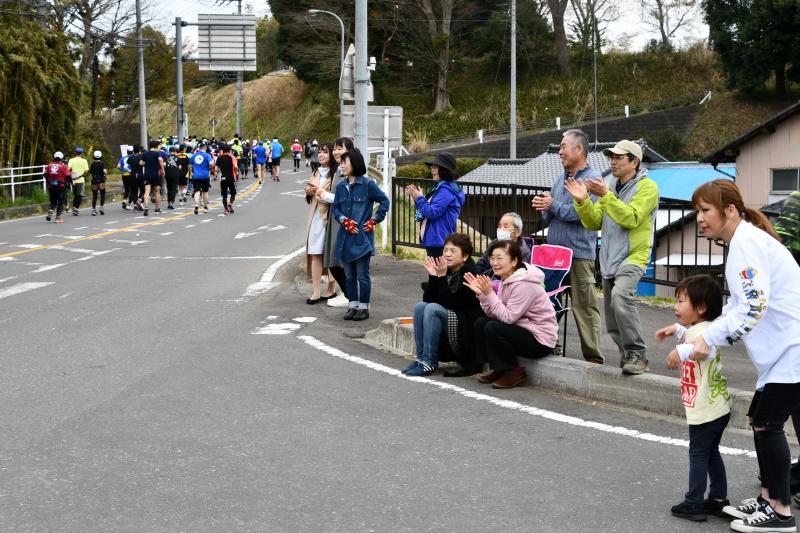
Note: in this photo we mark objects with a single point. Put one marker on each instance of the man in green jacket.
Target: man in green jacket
(625, 212)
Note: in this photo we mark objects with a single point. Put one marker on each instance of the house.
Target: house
(767, 158)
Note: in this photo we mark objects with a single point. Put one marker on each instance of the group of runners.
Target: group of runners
(165, 167)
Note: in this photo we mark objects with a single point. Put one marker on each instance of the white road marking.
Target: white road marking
(8, 279)
(512, 405)
(305, 319)
(244, 234)
(68, 237)
(272, 317)
(82, 227)
(113, 222)
(207, 220)
(191, 225)
(19, 288)
(301, 193)
(48, 267)
(132, 243)
(65, 295)
(27, 245)
(4, 242)
(8, 258)
(266, 283)
(270, 227)
(276, 329)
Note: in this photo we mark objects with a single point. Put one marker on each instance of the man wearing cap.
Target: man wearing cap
(275, 153)
(565, 229)
(625, 211)
(56, 175)
(79, 167)
(438, 211)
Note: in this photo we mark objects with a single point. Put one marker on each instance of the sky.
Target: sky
(628, 25)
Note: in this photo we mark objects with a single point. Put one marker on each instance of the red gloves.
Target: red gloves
(350, 225)
(369, 226)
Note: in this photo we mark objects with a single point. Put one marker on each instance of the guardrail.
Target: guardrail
(14, 177)
(568, 121)
(679, 248)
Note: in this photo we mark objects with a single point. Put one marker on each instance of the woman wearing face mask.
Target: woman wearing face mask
(329, 261)
(764, 312)
(508, 228)
(319, 198)
(438, 211)
(520, 320)
(443, 319)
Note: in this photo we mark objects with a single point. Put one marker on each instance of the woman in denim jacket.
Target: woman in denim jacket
(355, 243)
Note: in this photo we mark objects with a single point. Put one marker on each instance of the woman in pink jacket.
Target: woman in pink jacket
(520, 320)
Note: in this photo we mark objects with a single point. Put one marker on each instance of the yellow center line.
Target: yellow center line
(102, 234)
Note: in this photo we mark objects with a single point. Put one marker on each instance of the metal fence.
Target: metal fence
(20, 177)
(679, 248)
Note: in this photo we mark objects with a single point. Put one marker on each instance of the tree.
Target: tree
(755, 39)
(267, 45)
(667, 16)
(39, 91)
(591, 20)
(557, 10)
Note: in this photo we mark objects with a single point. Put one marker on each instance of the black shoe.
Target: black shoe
(312, 301)
(460, 372)
(361, 314)
(146, 211)
(350, 313)
(695, 513)
(714, 506)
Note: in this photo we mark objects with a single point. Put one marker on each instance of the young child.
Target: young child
(705, 396)
(355, 244)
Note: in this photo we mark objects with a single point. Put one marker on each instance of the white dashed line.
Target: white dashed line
(277, 329)
(512, 405)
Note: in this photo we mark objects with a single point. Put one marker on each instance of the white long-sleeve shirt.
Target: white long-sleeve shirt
(764, 307)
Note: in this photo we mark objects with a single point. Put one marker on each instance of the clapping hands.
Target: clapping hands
(436, 266)
(478, 284)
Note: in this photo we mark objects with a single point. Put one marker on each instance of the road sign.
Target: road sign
(213, 122)
(226, 42)
(376, 120)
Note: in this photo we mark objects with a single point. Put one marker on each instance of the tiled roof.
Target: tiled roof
(540, 171)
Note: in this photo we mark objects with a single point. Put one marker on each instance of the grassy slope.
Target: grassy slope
(279, 104)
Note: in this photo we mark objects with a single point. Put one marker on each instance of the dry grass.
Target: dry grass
(417, 140)
(262, 100)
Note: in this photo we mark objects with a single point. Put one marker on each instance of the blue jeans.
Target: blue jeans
(357, 286)
(705, 462)
(429, 321)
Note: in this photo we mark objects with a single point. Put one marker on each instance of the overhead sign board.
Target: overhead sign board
(226, 42)
(376, 118)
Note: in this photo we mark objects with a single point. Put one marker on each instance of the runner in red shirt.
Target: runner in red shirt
(56, 175)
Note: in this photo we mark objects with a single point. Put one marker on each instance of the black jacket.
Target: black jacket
(464, 304)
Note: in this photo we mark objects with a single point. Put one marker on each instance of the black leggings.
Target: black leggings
(57, 198)
(769, 410)
(102, 197)
(228, 185)
(500, 344)
(172, 189)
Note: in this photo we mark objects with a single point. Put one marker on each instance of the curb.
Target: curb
(648, 392)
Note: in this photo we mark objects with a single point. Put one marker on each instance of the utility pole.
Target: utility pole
(512, 141)
(239, 86)
(140, 54)
(180, 131)
(361, 80)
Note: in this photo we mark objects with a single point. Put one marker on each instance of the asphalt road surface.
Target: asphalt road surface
(164, 374)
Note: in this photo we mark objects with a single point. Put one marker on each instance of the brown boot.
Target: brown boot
(491, 376)
(511, 379)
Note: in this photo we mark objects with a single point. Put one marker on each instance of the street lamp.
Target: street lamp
(341, 60)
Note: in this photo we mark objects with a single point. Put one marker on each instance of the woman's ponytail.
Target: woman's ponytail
(759, 220)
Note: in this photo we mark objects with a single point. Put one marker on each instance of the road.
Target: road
(164, 374)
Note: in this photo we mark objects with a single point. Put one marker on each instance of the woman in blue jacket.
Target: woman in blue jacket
(438, 211)
(355, 244)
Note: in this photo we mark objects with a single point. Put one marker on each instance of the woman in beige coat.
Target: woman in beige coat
(318, 191)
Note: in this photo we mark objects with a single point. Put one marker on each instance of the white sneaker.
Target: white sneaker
(339, 301)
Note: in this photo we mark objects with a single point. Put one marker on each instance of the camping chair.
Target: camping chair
(555, 262)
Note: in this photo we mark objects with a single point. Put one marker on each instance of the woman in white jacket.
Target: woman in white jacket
(764, 312)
